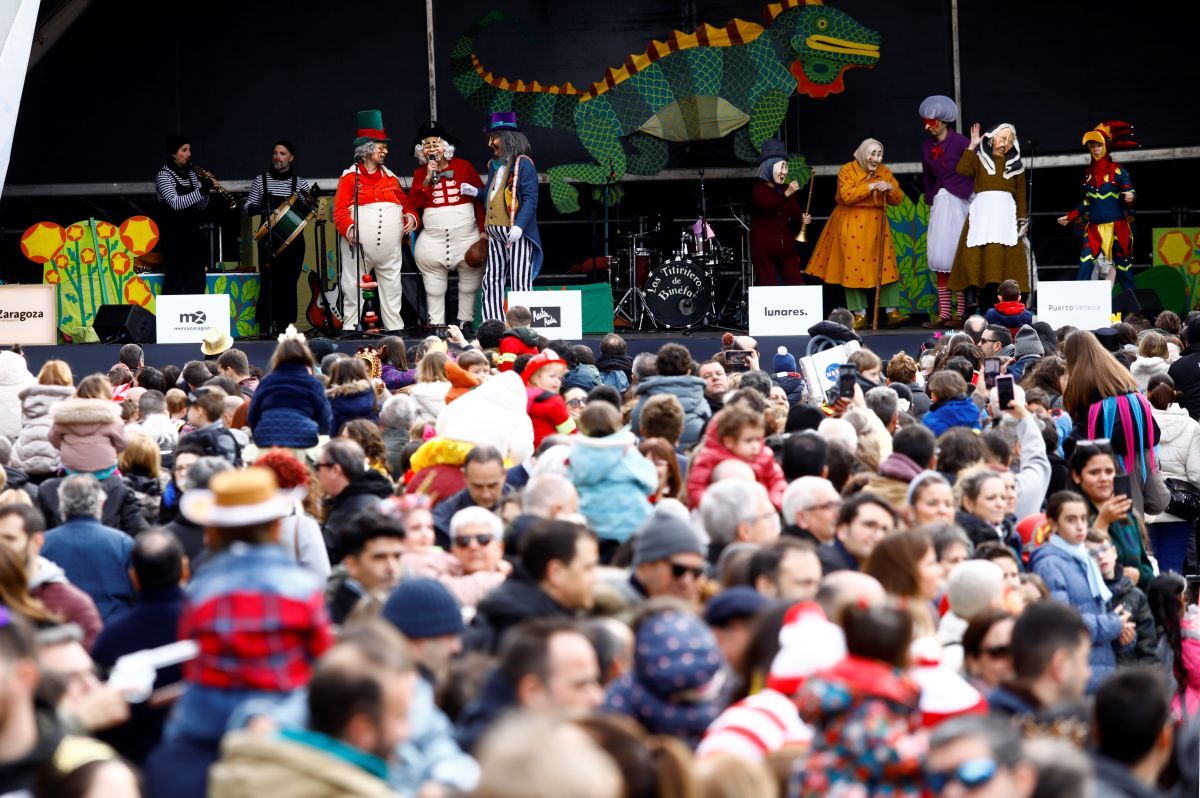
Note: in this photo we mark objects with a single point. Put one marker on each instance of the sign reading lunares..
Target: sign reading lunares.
(27, 315)
(784, 309)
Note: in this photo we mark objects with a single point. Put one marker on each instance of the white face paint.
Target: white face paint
(780, 172)
(874, 157)
(1002, 142)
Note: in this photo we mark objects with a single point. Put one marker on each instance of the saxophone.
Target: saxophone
(204, 174)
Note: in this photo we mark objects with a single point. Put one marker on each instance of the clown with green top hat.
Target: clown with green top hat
(372, 214)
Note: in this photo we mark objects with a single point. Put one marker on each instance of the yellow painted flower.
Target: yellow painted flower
(61, 261)
(139, 234)
(75, 232)
(106, 229)
(53, 277)
(42, 241)
(1194, 267)
(136, 292)
(121, 263)
(88, 256)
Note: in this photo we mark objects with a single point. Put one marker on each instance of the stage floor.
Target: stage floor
(86, 359)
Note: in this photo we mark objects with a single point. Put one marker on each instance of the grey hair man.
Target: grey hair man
(395, 420)
(94, 557)
(974, 327)
(885, 403)
(737, 511)
(549, 496)
(810, 509)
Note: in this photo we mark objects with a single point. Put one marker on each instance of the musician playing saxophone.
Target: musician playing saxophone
(183, 199)
(277, 274)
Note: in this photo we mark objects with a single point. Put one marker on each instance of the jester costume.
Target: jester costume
(1105, 211)
(510, 218)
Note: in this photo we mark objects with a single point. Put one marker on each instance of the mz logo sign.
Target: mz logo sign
(546, 317)
(193, 318)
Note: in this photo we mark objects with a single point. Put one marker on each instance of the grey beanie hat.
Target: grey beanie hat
(664, 535)
(1028, 342)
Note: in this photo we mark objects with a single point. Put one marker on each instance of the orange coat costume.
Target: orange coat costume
(847, 253)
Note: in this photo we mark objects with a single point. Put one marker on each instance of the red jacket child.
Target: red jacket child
(735, 433)
(543, 378)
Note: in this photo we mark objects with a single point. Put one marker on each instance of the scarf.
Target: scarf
(1094, 577)
(1013, 165)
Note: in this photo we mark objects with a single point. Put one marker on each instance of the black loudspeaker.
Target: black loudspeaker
(124, 324)
(1140, 300)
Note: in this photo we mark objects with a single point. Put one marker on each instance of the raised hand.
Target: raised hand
(976, 138)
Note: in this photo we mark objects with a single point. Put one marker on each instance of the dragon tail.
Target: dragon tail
(534, 103)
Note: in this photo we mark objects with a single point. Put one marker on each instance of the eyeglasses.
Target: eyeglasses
(464, 541)
(829, 505)
(1100, 550)
(324, 465)
(997, 652)
(576, 402)
(972, 774)
(679, 570)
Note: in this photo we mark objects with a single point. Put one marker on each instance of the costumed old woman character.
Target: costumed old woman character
(1106, 210)
(444, 187)
(989, 248)
(773, 207)
(948, 195)
(858, 236)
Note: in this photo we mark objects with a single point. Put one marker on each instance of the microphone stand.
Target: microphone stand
(1031, 145)
(358, 250)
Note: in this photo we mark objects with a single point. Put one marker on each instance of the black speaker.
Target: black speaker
(124, 324)
(1140, 300)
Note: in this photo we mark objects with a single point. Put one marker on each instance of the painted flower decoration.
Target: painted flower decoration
(106, 229)
(53, 277)
(136, 292)
(61, 261)
(75, 232)
(103, 250)
(121, 263)
(88, 256)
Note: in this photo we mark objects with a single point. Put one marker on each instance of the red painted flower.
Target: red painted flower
(53, 277)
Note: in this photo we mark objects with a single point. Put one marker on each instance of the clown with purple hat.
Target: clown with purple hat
(510, 215)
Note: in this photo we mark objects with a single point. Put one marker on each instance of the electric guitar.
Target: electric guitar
(323, 307)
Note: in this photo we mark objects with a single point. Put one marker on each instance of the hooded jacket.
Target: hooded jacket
(766, 471)
(429, 399)
(14, 378)
(519, 598)
(584, 375)
(615, 370)
(1009, 314)
(492, 414)
(361, 494)
(514, 342)
(958, 412)
(1067, 581)
(1178, 450)
(689, 391)
(349, 401)
(1144, 649)
(896, 471)
(614, 482)
(1143, 368)
(49, 584)
(32, 449)
(300, 764)
(88, 433)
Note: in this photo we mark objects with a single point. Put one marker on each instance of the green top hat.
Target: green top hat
(370, 128)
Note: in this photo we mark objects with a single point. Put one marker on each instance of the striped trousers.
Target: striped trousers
(505, 264)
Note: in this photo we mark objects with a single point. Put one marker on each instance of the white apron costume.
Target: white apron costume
(946, 219)
(381, 234)
(993, 219)
(447, 232)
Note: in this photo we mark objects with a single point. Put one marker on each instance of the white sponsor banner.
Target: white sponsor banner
(185, 318)
(1086, 304)
(556, 314)
(28, 315)
(784, 309)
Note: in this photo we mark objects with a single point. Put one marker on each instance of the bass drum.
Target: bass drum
(678, 293)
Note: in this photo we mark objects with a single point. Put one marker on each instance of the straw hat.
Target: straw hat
(239, 498)
(215, 342)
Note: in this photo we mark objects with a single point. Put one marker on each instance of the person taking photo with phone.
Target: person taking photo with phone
(1110, 508)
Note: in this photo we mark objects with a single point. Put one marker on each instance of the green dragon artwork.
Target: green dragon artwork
(703, 85)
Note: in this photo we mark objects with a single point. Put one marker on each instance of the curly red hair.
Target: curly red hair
(289, 472)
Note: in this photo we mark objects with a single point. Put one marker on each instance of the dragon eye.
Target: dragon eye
(822, 23)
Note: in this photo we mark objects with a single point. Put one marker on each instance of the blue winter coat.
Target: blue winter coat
(95, 559)
(289, 409)
(614, 482)
(1067, 580)
(350, 401)
(960, 412)
(527, 198)
(690, 393)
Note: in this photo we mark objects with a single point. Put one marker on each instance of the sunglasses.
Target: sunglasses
(679, 570)
(997, 652)
(464, 541)
(972, 774)
(1097, 445)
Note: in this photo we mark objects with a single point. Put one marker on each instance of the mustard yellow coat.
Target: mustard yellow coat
(847, 253)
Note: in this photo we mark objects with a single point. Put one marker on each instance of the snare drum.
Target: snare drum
(288, 221)
(678, 293)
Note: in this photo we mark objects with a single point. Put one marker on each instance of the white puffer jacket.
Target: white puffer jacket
(1178, 450)
(33, 450)
(14, 377)
(1144, 368)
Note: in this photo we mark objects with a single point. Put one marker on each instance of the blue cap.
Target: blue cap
(423, 608)
(733, 603)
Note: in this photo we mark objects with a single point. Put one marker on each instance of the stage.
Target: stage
(86, 359)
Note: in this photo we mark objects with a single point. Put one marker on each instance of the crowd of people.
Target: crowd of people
(519, 567)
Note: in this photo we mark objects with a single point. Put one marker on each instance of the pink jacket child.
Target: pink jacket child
(1189, 686)
(735, 433)
(88, 434)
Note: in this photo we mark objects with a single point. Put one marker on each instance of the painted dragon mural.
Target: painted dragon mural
(702, 85)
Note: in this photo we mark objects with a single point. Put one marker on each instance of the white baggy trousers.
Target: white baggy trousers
(446, 234)
(381, 236)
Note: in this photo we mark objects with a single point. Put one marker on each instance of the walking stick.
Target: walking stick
(879, 268)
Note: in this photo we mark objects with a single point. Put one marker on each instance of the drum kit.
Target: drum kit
(681, 289)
